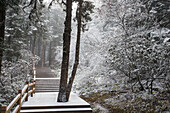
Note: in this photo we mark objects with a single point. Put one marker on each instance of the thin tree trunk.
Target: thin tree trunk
(49, 57)
(66, 51)
(33, 45)
(39, 47)
(76, 62)
(43, 54)
(2, 28)
(39, 50)
(45, 45)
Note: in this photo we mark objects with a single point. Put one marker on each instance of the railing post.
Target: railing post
(34, 71)
(3, 109)
(26, 99)
(32, 88)
(19, 101)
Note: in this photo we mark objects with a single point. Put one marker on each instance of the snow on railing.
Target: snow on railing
(20, 98)
(34, 71)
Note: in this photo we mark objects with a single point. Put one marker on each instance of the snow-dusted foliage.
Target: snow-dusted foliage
(125, 44)
(94, 45)
(126, 50)
(140, 52)
(15, 75)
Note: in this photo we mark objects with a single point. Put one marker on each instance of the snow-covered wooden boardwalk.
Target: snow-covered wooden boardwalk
(44, 91)
(45, 98)
(47, 102)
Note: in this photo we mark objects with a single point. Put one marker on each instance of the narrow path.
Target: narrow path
(44, 72)
(46, 80)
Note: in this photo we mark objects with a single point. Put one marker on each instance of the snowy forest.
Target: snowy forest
(116, 52)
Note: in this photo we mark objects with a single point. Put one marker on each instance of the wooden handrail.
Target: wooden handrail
(31, 84)
(30, 91)
(19, 99)
(16, 109)
(24, 89)
(34, 71)
(15, 100)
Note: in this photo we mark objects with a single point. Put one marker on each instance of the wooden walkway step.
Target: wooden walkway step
(47, 84)
(68, 110)
(45, 98)
(47, 103)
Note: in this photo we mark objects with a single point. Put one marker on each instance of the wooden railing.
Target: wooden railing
(20, 98)
(34, 71)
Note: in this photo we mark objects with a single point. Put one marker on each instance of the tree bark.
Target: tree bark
(66, 51)
(33, 45)
(76, 62)
(2, 28)
(49, 55)
(43, 54)
(39, 47)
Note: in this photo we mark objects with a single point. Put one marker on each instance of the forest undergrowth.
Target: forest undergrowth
(128, 102)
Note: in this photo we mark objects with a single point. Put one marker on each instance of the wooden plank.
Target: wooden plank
(55, 106)
(47, 84)
(3, 109)
(32, 84)
(30, 91)
(16, 109)
(50, 99)
(19, 101)
(68, 110)
(47, 79)
(24, 89)
(13, 102)
(34, 90)
(23, 98)
(47, 88)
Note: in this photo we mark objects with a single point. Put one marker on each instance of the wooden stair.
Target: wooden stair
(46, 103)
(56, 109)
(47, 85)
(45, 98)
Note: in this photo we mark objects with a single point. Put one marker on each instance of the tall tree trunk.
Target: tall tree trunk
(43, 54)
(2, 28)
(31, 44)
(76, 62)
(39, 49)
(49, 55)
(34, 44)
(66, 51)
(39, 46)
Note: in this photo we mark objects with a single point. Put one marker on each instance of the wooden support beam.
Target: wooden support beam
(32, 88)
(14, 101)
(3, 109)
(19, 101)
(26, 99)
